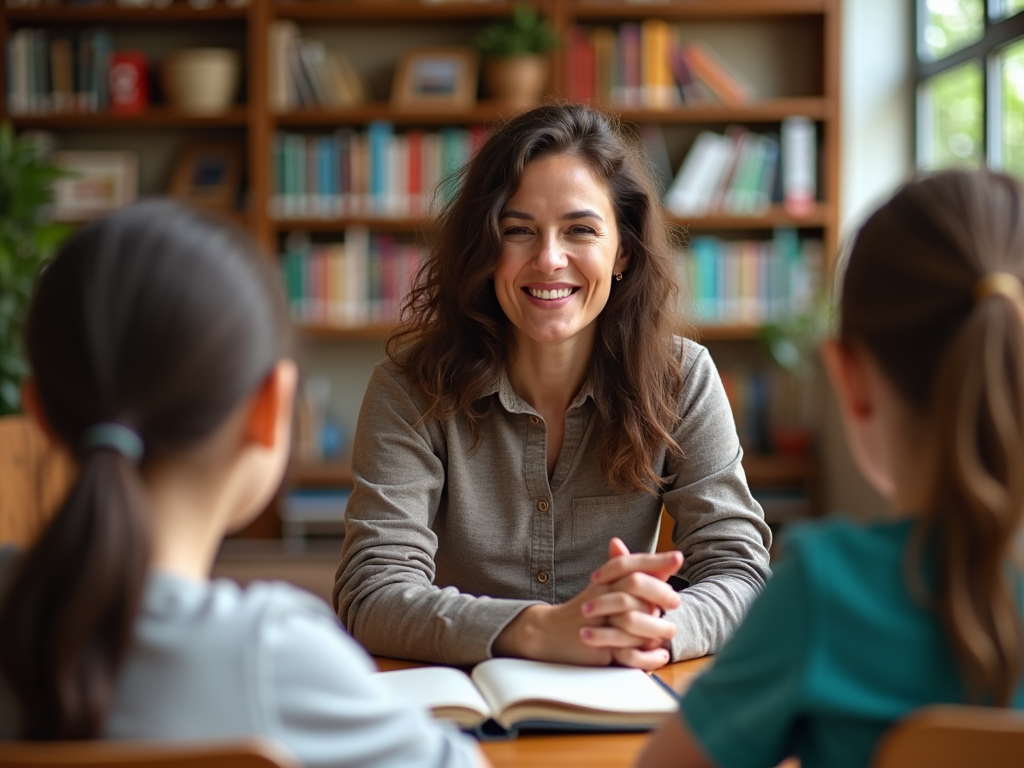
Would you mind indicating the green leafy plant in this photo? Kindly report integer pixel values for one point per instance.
(525, 33)
(793, 342)
(26, 242)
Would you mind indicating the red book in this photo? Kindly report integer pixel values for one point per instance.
(719, 80)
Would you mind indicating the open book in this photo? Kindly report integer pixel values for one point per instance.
(503, 695)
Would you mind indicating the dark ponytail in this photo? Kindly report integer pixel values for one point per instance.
(159, 318)
(919, 293)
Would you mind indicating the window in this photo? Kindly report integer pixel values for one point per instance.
(970, 84)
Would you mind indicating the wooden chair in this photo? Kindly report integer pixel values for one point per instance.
(251, 753)
(946, 736)
(34, 476)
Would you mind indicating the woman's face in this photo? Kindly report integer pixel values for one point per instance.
(560, 248)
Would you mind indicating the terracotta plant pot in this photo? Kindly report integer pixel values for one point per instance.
(201, 80)
(516, 80)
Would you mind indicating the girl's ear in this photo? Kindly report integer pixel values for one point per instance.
(847, 371)
(272, 405)
(33, 406)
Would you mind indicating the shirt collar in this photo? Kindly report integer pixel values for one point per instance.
(513, 403)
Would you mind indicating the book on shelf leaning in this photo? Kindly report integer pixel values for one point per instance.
(500, 697)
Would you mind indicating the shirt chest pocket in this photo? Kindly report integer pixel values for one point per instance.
(633, 517)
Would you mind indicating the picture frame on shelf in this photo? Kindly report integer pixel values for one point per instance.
(436, 79)
(208, 175)
(97, 183)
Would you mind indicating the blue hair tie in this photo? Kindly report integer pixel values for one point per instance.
(116, 437)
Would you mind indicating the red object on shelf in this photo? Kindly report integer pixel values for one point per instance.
(129, 87)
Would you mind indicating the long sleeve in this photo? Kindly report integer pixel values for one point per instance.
(385, 592)
(720, 527)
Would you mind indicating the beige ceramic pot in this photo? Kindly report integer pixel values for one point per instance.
(516, 80)
(201, 80)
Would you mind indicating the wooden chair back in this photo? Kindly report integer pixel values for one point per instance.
(34, 476)
(251, 753)
(946, 736)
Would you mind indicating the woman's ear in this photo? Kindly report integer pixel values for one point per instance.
(621, 261)
(847, 371)
(272, 405)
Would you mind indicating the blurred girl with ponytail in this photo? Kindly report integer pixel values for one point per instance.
(158, 344)
(863, 623)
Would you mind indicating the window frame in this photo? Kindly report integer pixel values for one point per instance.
(998, 33)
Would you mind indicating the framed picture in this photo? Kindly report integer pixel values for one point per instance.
(208, 175)
(97, 183)
(436, 78)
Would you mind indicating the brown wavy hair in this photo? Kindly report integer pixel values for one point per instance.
(161, 318)
(909, 296)
(454, 338)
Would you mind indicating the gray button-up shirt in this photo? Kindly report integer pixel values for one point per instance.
(446, 542)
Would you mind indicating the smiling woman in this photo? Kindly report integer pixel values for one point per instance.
(538, 409)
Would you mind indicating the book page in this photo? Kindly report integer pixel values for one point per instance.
(578, 694)
(447, 692)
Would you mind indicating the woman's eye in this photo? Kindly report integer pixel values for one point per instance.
(579, 229)
(516, 231)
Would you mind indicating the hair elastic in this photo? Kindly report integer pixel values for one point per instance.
(116, 437)
(1002, 283)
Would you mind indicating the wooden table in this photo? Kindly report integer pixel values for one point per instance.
(594, 750)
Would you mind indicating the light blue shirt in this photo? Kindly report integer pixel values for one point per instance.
(212, 661)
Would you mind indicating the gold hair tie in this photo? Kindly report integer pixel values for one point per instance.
(1002, 283)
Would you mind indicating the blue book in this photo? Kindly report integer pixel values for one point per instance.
(379, 134)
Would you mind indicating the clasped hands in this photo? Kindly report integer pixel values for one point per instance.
(617, 618)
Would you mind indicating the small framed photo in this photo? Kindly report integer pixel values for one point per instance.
(208, 175)
(97, 183)
(436, 78)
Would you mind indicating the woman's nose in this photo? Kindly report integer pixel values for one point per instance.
(551, 254)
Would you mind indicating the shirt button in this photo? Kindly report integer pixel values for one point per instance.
(542, 505)
(534, 420)
(542, 577)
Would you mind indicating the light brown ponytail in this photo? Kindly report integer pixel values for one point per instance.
(910, 294)
(159, 318)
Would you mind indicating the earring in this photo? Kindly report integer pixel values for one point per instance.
(618, 277)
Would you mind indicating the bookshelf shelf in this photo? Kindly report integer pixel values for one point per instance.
(483, 112)
(777, 216)
(376, 11)
(374, 332)
(153, 117)
(117, 15)
(696, 9)
(324, 474)
(764, 111)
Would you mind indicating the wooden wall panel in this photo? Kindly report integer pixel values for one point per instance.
(34, 475)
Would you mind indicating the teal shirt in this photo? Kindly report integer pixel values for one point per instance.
(832, 653)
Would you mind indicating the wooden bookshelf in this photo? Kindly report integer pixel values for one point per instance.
(254, 123)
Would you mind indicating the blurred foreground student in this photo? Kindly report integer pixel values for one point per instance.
(158, 345)
(863, 623)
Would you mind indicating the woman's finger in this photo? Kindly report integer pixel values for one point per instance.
(643, 625)
(661, 565)
(649, 589)
(615, 602)
(641, 659)
(610, 637)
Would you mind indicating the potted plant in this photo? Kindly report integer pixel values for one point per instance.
(792, 344)
(26, 242)
(515, 61)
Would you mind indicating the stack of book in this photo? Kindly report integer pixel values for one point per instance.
(58, 73)
(646, 66)
(360, 281)
(371, 173)
(751, 281)
(742, 173)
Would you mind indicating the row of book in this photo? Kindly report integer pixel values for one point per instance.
(751, 281)
(375, 172)
(305, 73)
(770, 406)
(740, 172)
(66, 72)
(360, 281)
(645, 65)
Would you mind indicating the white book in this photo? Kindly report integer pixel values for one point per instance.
(357, 254)
(518, 693)
(700, 174)
(799, 165)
